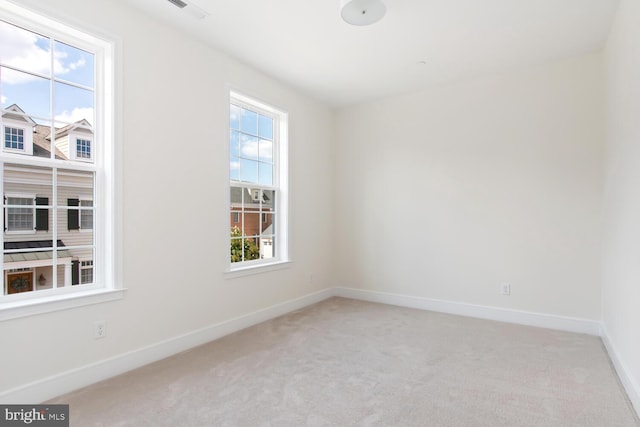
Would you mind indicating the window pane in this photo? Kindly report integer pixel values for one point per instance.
(237, 253)
(84, 261)
(86, 215)
(234, 169)
(266, 174)
(248, 170)
(234, 143)
(24, 49)
(73, 64)
(17, 280)
(268, 200)
(267, 225)
(265, 151)
(72, 104)
(251, 223)
(266, 247)
(42, 140)
(29, 93)
(265, 127)
(74, 186)
(28, 193)
(249, 121)
(248, 147)
(234, 117)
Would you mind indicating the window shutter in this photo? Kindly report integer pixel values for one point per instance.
(75, 272)
(42, 215)
(73, 215)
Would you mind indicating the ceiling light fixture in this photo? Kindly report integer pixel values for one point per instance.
(362, 12)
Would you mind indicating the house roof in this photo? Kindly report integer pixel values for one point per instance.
(32, 244)
(42, 143)
(236, 198)
(42, 133)
(34, 255)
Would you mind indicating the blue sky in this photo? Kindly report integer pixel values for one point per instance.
(33, 53)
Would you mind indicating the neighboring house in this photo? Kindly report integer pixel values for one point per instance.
(256, 221)
(28, 206)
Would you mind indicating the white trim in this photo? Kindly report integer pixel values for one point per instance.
(106, 153)
(56, 385)
(248, 270)
(280, 182)
(65, 382)
(541, 320)
(631, 386)
(25, 308)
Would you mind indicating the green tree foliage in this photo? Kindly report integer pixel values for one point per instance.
(251, 250)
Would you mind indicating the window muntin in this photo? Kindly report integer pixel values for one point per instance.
(65, 90)
(256, 141)
(14, 138)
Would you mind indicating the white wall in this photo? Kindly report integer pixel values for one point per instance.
(174, 256)
(448, 192)
(621, 267)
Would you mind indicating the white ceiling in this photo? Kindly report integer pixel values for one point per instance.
(419, 43)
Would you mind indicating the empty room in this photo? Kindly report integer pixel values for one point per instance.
(320, 212)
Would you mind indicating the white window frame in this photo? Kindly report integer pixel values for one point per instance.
(280, 185)
(107, 272)
(32, 197)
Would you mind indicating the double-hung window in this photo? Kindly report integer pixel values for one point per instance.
(56, 163)
(258, 183)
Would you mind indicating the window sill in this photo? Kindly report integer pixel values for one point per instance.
(256, 269)
(24, 308)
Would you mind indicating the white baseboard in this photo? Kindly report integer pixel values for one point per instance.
(542, 320)
(629, 383)
(65, 382)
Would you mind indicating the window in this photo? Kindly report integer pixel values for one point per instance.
(86, 215)
(13, 138)
(59, 108)
(86, 272)
(83, 149)
(20, 218)
(258, 183)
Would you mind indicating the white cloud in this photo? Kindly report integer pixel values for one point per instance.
(251, 149)
(20, 49)
(76, 115)
(234, 165)
(78, 64)
(3, 100)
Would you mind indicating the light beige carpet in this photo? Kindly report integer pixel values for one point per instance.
(343, 362)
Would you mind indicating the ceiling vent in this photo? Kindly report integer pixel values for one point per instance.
(178, 3)
(190, 9)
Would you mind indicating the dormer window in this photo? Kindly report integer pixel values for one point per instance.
(83, 149)
(14, 138)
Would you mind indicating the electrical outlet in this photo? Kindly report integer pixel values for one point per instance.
(505, 289)
(100, 329)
